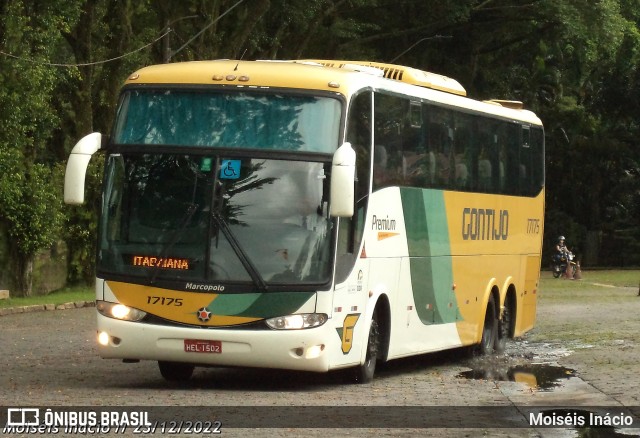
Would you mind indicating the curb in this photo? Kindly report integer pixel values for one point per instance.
(45, 307)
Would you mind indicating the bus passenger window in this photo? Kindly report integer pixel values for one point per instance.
(463, 152)
(380, 162)
(484, 170)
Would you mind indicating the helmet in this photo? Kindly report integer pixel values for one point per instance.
(560, 238)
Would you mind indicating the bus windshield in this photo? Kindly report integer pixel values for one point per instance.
(212, 218)
(228, 119)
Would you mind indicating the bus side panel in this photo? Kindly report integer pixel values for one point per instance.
(349, 318)
(529, 295)
(475, 277)
(496, 241)
(423, 331)
(425, 310)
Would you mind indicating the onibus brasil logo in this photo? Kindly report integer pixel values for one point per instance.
(48, 421)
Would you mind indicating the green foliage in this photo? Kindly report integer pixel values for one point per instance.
(35, 215)
(574, 62)
(31, 206)
(66, 295)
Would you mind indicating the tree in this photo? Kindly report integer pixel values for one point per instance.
(574, 62)
(31, 211)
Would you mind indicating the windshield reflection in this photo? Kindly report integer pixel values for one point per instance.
(230, 119)
(212, 218)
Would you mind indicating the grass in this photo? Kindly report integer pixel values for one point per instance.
(595, 286)
(619, 278)
(66, 295)
(591, 280)
(583, 311)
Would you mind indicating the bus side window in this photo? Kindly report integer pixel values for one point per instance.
(388, 138)
(350, 230)
(464, 151)
(537, 160)
(514, 171)
(484, 169)
(426, 162)
(526, 178)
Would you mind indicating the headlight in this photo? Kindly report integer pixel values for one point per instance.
(296, 322)
(119, 311)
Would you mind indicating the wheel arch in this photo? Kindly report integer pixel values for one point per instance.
(380, 307)
(491, 291)
(383, 313)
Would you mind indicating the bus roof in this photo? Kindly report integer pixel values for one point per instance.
(255, 74)
(401, 73)
(343, 77)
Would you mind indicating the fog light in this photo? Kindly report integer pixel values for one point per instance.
(315, 351)
(103, 338)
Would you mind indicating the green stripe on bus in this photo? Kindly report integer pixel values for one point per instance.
(429, 251)
(259, 305)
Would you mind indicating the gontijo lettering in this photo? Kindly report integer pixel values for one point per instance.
(485, 224)
(160, 262)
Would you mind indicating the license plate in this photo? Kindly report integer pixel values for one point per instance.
(202, 346)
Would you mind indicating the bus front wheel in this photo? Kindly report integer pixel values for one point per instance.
(364, 372)
(175, 371)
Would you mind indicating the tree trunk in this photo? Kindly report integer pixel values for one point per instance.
(23, 274)
(592, 248)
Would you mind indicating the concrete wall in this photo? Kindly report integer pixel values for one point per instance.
(49, 270)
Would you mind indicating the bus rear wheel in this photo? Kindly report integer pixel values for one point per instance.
(504, 326)
(489, 329)
(175, 371)
(364, 372)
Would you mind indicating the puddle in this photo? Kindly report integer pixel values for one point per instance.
(542, 377)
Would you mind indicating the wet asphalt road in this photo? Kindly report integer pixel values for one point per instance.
(49, 359)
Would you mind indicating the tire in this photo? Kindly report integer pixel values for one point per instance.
(489, 329)
(364, 372)
(504, 327)
(175, 371)
(556, 273)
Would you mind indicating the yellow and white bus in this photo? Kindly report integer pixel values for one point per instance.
(311, 215)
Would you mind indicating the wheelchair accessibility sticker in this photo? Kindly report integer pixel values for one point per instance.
(230, 169)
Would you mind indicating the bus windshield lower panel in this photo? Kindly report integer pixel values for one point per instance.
(210, 218)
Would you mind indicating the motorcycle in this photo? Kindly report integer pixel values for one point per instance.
(563, 264)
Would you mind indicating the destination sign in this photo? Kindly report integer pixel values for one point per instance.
(160, 262)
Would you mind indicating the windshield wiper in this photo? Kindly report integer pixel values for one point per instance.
(258, 281)
(191, 209)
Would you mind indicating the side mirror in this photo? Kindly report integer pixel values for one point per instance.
(77, 165)
(343, 177)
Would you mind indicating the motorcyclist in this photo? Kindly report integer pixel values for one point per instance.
(561, 247)
(563, 260)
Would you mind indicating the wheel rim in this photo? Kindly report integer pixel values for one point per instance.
(372, 345)
(489, 329)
